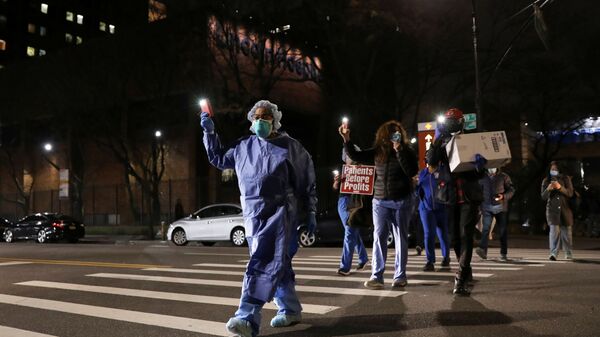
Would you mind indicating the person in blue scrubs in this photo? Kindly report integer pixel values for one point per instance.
(434, 217)
(352, 240)
(276, 179)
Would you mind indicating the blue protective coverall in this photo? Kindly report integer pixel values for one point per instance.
(434, 215)
(276, 179)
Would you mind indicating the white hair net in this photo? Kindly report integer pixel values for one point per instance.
(272, 108)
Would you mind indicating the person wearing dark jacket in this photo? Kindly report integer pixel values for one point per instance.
(434, 217)
(395, 165)
(465, 213)
(556, 191)
(497, 192)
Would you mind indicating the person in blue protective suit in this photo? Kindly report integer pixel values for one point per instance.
(276, 179)
(464, 214)
(348, 203)
(395, 165)
(434, 217)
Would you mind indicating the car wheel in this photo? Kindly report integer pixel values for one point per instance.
(306, 239)
(41, 236)
(390, 240)
(208, 243)
(9, 236)
(179, 237)
(238, 236)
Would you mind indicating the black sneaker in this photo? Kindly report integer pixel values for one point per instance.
(429, 267)
(481, 253)
(343, 272)
(552, 258)
(419, 250)
(460, 288)
(446, 262)
(361, 266)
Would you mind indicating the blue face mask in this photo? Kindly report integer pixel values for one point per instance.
(262, 127)
(553, 173)
(396, 137)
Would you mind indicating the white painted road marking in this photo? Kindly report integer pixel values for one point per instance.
(298, 276)
(165, 321)
(309, 308)
(411, 262)
(330, 270)
(13, 263)
(12, 332)
(238, 284)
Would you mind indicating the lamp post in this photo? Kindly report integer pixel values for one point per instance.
(476, 61)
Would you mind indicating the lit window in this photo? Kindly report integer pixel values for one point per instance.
(80, 19)
(42, 31)
(69, 16)
(68, 38)
(2, 45)
(78, 40)
(111, 29)
(44, 8)
(30, 51)
(42, 52)
(31, 28)
(103, 26)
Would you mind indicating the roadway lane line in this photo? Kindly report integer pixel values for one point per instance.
(138, 317)
(389, 264)
(333, 270)
(13, 263)
(83, 263)
(12, 332)
(160, 295)
(412, 261)
(238, 284)
(217, 254)
(298, 276)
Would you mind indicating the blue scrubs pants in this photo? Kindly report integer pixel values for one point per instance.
(352, 239)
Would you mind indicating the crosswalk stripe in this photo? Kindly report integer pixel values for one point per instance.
(13, 332)
(165, 321)
(423, 260)
(238, 284)
(308, 308)
(13, 263)
(298, 276)
(391, 264)
(217, 254)
(329, 270)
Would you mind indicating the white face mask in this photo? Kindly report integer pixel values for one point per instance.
(492, 170)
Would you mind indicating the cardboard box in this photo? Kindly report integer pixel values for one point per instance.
(462, 149)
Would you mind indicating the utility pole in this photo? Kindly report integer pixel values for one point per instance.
(476, 61)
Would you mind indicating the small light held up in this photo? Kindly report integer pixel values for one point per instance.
(48, 147)
(335, 172)
(441, 119)
(413, 140)
(157, 133)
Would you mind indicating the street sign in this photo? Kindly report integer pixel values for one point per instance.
(425, 139)
(470, 121)
(358, 179)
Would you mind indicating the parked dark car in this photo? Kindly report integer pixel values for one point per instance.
(45, 227)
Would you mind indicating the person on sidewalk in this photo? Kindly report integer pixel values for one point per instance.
(275, 175)
(468, 196)
(395, 165)
(434, 217)
(556, 191)
(349, 204)
(497, 192)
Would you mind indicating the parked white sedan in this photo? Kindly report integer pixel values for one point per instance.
(219, 222)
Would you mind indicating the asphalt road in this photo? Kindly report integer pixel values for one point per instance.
(156, 289)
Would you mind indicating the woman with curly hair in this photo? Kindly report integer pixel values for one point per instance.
(395, 165)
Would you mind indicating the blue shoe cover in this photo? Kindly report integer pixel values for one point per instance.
(239, 327)
(281, 320)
